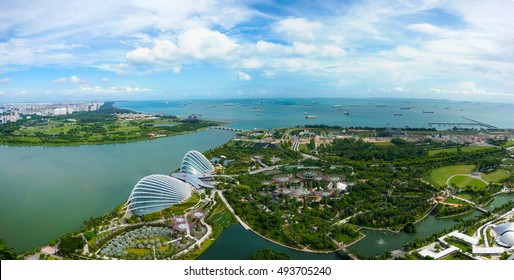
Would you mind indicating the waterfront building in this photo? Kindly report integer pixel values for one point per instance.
(195, 163)
(156, 192)
(505, 234)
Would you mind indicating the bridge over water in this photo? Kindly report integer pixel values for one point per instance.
(228, 128)
(461, 124)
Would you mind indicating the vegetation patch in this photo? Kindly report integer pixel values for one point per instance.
(467, 149)
(456, 256)
(467, 181)
(496, 176)
(267, 254)
(439, 176)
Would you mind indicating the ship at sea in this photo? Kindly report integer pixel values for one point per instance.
(428, 112)
(398, 114)
(310, 117)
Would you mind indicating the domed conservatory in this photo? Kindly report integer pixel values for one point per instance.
(157, 192)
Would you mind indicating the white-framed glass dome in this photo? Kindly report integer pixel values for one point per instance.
(195, 163)
(156, 192)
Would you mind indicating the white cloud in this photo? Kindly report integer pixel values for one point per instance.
(77, 80)
(298, 28)
(62, 80)
(426, 28)
(202, 43)
(467, 85)
(193, 44)
(118, 68)
(5, 80)
(87, 89)
(2, 93)
(72, 79)
(105, 80)
(242, 76)
(177, 69)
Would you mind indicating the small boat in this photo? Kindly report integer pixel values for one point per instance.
(310, 117)
(428, 112)
(398, 114)
(346, 113)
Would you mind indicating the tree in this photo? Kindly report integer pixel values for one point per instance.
(410, 228)
(69, 244)
(312, 144)
(267, 254)
(6, 253)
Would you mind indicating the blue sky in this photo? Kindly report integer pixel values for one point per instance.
(139, 50)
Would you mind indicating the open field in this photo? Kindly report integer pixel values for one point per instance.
(383, 144)
(467, 149)
(439, 176)
(464, 181)
(453, 200)
(496, 176)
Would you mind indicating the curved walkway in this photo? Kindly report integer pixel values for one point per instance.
(467, 175)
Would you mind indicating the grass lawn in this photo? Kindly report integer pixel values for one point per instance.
(383, 144)
(459, 244)
(509, 143)
(180, 209)
(439, 176)
(456, 256)
(467, 149)
(138, 251)
(303, 148)
(454, 200)
(496, 176)
(463, 181)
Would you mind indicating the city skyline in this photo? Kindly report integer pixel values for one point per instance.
(99, 50)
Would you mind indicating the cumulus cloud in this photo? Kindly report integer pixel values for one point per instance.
(5, 80)
(141, 56)
(242, 76)
(202, 43)
(105, 80)
(72, 79)
(196, 44)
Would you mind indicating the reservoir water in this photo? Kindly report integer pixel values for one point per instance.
(236, 243)
(48, 191)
